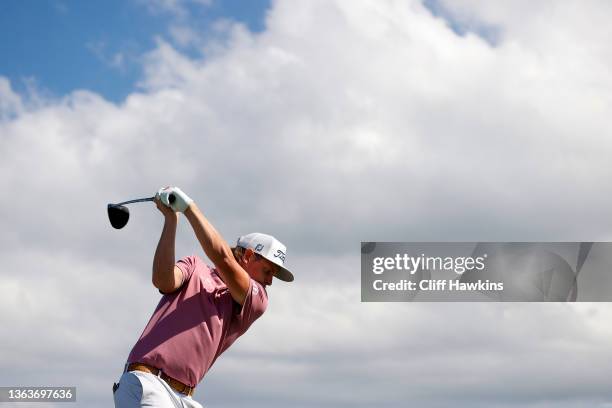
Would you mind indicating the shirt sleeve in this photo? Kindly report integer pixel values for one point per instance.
(187, 266)
(254, 306)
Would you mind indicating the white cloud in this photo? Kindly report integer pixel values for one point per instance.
(184, 36)
(341, 122)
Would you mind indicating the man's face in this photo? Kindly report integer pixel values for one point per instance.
(260, 268)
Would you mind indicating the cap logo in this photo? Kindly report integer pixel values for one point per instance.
(259, 247)
(280, 254)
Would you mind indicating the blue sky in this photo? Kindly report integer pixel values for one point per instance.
(59, 46)
(462, 24)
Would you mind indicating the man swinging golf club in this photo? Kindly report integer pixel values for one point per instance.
(203, 310)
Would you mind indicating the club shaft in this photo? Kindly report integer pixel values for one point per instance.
(138, 200)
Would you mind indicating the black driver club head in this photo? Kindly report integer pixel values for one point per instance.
(118, 215)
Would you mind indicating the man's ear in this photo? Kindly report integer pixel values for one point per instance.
(247, 256)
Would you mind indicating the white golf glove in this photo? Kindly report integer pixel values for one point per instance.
(181, 200)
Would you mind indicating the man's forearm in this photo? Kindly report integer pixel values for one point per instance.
(212, 243)
(217, 250)
(163, 262)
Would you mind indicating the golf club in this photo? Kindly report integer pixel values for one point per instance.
(118, 214)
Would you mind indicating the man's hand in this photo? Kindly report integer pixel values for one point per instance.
(179, 203)
(166, 211)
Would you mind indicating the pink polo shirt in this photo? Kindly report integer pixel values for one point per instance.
(192, 326)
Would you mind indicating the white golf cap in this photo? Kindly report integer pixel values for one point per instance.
(270, 248)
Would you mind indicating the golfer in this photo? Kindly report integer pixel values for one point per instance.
(203, 309)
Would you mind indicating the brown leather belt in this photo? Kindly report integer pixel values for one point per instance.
(175, 384)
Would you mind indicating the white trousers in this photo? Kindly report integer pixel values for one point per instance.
(138, 389)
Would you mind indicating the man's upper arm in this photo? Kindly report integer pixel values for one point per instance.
(236, 279)
(255, 303)
(176, 283)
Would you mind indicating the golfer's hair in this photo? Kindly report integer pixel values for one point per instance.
(238, 252)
